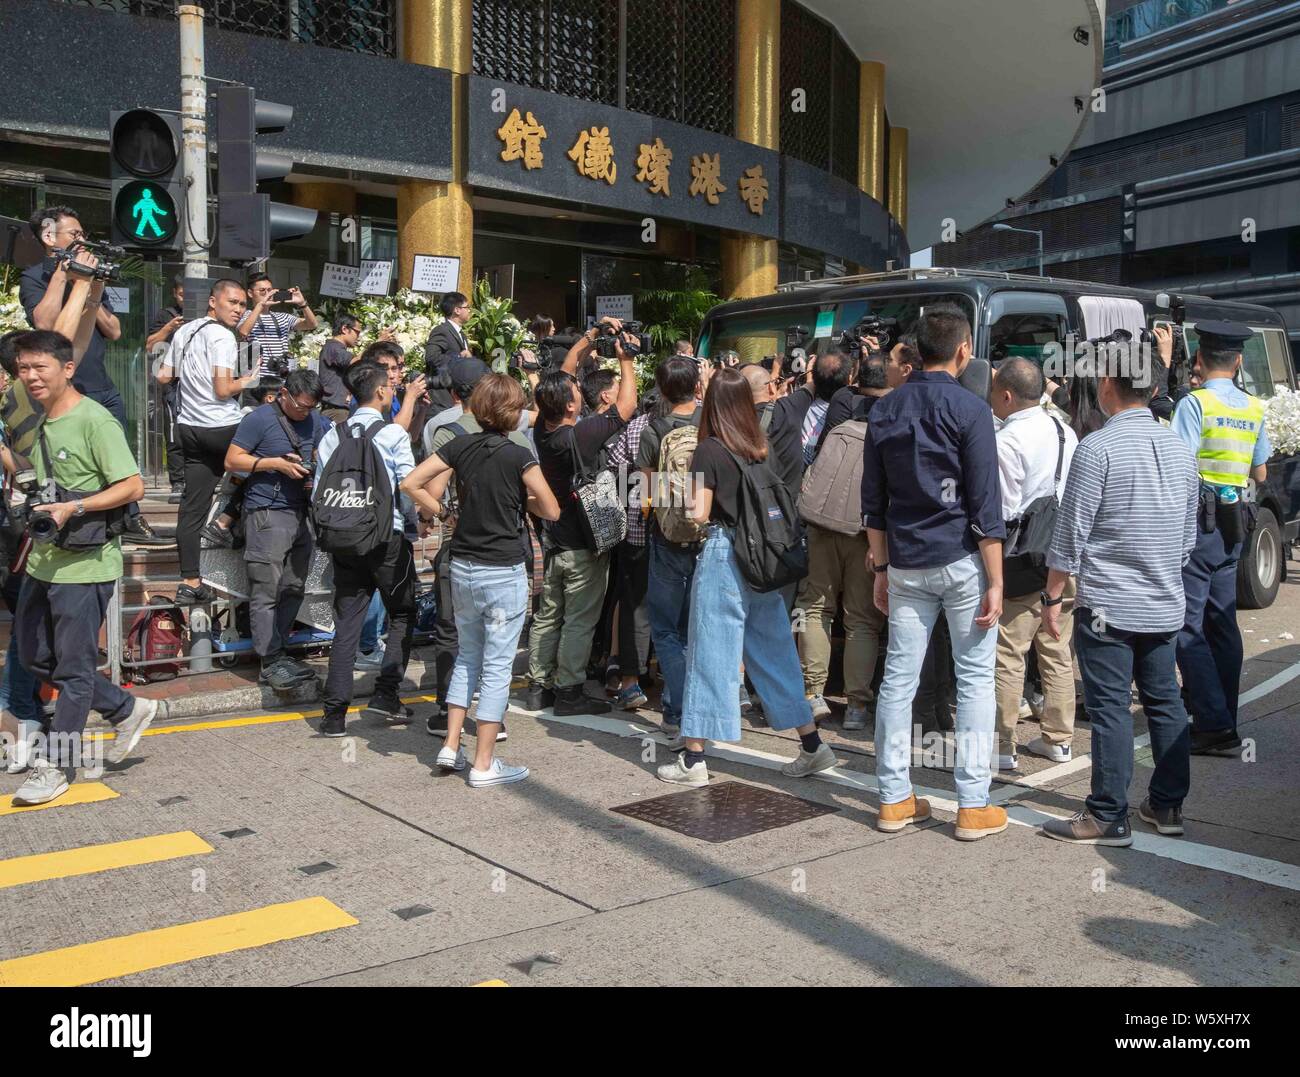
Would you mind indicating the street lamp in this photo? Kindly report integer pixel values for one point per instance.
(1000, 227)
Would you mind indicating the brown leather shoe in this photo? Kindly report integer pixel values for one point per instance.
(976, 823)
(896, 816)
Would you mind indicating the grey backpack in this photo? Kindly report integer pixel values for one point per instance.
(831, 495)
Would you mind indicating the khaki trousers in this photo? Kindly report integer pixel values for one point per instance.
(838, 577)
(1019, 629)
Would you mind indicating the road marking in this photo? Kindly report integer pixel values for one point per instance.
(491, 983)
(78, 793)
(1257, 868)
(1265, 687)
(90, 859)
(248, 720)
(107, 959)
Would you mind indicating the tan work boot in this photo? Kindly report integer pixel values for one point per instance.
(976, 823)
(894, 817)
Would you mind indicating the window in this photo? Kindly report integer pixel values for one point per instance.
(905, 309)
(1255, 376)
(758, 334)
(1023, 324)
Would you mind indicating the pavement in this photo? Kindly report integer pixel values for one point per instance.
(244, 848)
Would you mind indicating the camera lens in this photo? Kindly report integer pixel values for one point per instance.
(42, 527)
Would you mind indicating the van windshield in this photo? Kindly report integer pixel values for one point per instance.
(758, 334)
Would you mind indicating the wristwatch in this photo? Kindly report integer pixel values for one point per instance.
(880, 568)
(1043, 598)
(80, 510)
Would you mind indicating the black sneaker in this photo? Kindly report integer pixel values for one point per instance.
(140, 533)
(539, 697)
(176, 496)
(573, 700)
(436, 724)
(1084, 828)
(333, 726)
(390, 708)
(215, 537)
(194, 596)
(284, 673)
(1165, 820)
(1223, 742)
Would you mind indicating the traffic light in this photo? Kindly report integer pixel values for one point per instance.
(249, 223)
(148, 180)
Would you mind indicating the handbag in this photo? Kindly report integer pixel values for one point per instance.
(1024, 556)
(603, 514)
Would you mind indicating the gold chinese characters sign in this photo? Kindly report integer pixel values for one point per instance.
(594, 155)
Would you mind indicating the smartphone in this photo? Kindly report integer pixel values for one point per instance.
(282, 295)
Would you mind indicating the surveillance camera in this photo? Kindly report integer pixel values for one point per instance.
(1081, 35)
(1054, 160)
(1011, 203)
(1078, 104)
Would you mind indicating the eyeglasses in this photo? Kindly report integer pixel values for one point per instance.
(286, 398)
(75, 233)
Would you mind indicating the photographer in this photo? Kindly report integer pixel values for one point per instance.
(269, 331)
(275, 446)
(74, 560)
(203, 360)
(161, 331)
(45, 292)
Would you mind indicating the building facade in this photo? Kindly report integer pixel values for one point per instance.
(1185, 176)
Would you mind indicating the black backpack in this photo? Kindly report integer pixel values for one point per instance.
(770, 545)
(352, 507)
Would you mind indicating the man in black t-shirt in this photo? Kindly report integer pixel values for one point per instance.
(574, 576)
(335, 358)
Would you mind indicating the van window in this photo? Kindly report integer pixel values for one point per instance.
(1255, 377)
(1279, 357)
(1023, 324)
(906, 309)
(759, 333)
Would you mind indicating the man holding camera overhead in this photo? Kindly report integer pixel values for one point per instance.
(84, 477)
(275, 446)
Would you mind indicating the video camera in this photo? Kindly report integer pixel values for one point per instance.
(606, 335)
(542, 352)
(794, 362)
(883, 329)
(1179, 365)
(110, 259)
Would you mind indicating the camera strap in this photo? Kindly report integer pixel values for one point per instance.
(294, 440)
(180, 363)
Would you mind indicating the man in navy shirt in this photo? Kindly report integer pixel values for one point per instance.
(275, 445)
(930, 459)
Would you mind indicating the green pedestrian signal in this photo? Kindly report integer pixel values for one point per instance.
(146, 212)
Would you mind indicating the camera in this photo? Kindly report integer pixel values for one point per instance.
(607, 335)
(883, 329)
(532, 354)
(28, 512)
(110, 259)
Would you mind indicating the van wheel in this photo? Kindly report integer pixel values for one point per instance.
(1259, 572)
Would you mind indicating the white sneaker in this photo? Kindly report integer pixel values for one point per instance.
(498, 773)
(820, 708)
(373, 660)
(679, 773)
(1025, 710)
(43, 784)
(15, 757)
(129, 730)
(855, 718)
(1008, 763)
(452, 760)
(1058, 753)
(809, 763)
(1036, 704)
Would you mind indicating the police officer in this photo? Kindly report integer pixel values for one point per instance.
(1224, 427)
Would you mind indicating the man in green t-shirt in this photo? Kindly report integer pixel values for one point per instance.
(61, 608)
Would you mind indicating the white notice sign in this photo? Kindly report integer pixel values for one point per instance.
(614, 306)
(120, 297)
(435, 273)
(375, 277)
(339, 281)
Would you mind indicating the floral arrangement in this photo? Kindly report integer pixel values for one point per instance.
(410, 315)
(1282, 420)
(12, 315)
(493, 331)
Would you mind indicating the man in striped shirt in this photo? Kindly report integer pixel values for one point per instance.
(270, 330)
(1125, 528)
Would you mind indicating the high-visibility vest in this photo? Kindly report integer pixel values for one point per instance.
(1228, 436)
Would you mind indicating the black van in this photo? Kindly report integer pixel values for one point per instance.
(1020, 315)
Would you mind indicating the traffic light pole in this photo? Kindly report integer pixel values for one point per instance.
(194, 109)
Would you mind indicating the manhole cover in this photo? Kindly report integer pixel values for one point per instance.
(724, 811)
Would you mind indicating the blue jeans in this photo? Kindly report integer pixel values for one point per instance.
(490, 602)
(18, 686)
(917, 596)
(1209, 645)
(730, 621)
(668, 604)
(1110, 660)
(372, 626)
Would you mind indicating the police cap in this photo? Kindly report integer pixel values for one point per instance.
(1226, 335)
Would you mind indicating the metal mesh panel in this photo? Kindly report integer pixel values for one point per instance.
(805, 45)
(582, 49)
(681, 61)
(1167, 156)
(1069, 228)
(368, 26)
(845, 72)
(507, 40)
(1290, 126)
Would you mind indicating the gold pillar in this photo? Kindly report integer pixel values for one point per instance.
(871, 130)
(749, 262)
(337, 198)
(898, 175)
(432, 217)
